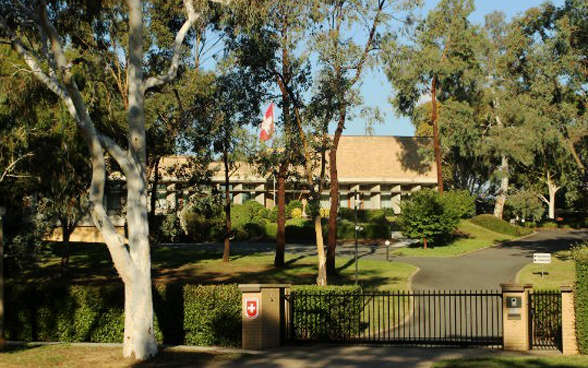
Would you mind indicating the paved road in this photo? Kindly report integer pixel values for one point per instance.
(488, 268)
(483, 269)
(357, 356)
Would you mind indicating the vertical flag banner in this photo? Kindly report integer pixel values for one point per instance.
(267, 126)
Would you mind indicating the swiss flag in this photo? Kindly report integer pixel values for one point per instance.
(251, 308)
(267, 126)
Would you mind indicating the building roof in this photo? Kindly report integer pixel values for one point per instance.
(369, 159)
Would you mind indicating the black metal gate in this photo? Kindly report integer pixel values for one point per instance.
(424, 318)
(545, 319)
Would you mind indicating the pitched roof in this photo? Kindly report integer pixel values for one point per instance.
(376, 159)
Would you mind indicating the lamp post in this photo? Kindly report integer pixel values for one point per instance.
(356, 202)
(2, 213)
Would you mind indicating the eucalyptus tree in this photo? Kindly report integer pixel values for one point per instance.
(342, 58)
(438, 59)
(39, 32)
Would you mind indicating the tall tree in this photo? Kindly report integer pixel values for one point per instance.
(438, 60)
(343, 59)
(33, 31)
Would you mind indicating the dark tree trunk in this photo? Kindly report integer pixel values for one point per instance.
(436, 143)
(334, 192)
(153, 200)
(64, 270)
(281, 236)
(227, 250)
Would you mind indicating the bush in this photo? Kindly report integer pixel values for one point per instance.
(324, 312)
(580, 255)
(495, 224)
(460, 202)
(248, 220)
(296, 213)
(183, 314)
(525, 205)
(294, 204)
(425, 216)
(203, 218)
(168, 228)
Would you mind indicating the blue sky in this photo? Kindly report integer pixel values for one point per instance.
(376, 89)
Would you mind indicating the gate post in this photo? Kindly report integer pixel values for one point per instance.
(568, 322)
(262, 315)
(515, 316)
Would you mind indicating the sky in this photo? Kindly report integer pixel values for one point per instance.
(376, 89)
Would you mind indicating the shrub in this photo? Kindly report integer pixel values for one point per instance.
(296, 213)
(495, 224)
(183, 314)
(324, 312)
(425, 216)
(203, 218)
(526, 205)
(293, 205)
(580, 255)
(168, 228)
(460, 202)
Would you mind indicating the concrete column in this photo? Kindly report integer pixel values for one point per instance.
(376, 198)
(263, 315)
(260, 194)
(395, 203)
(171, 198)
(568, 322)
(237, 196)
(515, 316)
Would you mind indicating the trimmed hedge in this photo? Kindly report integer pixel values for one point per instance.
(580, 255)
(184, 314)
(495, 224)
(324, 312)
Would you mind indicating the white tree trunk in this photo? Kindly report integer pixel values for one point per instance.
(320, 246)
(501, 196)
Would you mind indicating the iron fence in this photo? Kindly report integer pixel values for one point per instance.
(545, 319)
(423, 318)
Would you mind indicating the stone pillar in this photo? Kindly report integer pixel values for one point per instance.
(568, 322)
(237, 195)
(263, 315)
(515, 316)
(260, 194)
(376, 198)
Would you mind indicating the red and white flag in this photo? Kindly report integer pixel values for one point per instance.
(267, 126)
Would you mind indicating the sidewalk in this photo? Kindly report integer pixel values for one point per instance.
(361, 356)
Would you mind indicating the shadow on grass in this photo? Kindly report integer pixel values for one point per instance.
(506, 363)
(180, 359)
(13, 348)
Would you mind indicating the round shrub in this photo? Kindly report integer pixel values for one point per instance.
(293, 205)
(297, 213)
(425, 216)
(203, 218)
(526, 205)
(460, 202)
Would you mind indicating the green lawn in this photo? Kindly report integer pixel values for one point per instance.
(470, 237)
(71, 356)
(534, 362)
(91, 264)
(559, 272)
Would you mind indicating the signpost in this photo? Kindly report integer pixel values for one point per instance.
(542, 258)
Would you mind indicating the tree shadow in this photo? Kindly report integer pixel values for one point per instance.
(412, 156)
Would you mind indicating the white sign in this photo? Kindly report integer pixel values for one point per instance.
(251, 307)
(543, 258)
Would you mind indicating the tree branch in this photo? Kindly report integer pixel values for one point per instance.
(12, 166)
(179, 40)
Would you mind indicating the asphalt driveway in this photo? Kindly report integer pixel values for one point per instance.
(488, 268)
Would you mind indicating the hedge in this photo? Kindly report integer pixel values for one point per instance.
(495, 224)
(324, 312)
(580, 255)
(184, 314)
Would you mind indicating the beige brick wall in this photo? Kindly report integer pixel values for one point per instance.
(568, 322)
(515, 325)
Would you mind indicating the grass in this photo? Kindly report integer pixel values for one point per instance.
(94, 356)
(470, 237)
(91, 264)
(535, 362)
(559, 272)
